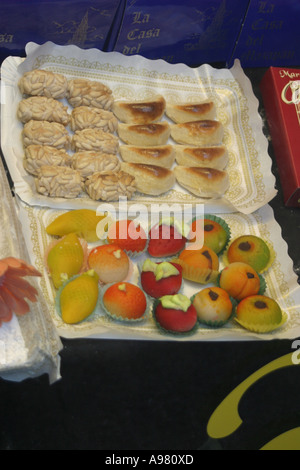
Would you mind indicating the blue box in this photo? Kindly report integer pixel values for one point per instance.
(192, 32)
(84, 23)
(270, 34)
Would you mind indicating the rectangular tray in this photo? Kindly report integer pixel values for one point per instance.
(252, 184)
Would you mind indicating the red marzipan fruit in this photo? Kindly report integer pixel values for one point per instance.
(165, 240)
(166, 286)
(177, 321)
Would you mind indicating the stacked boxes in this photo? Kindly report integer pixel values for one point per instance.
(261, 33)
(192, 32)
(83, 23)
(269, 36)
(280, 89)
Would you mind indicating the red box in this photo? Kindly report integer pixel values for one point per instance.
(280, 88)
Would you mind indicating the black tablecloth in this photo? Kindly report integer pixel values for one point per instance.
(137, 396)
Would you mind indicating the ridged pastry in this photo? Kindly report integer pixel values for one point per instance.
(140, 112)
(202, 182)
(41, 155)
(144, 134)
(150, 179)
(41, 108)
(57, 181)
(86, 117)
(95, 139)
(212, 157)
(200, 133)
(43, 83)
(110, 186)
(45, 133)
(163, 155)
(186, 112)
(90, 162)
(84, 92)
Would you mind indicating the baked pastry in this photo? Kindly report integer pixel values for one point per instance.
(144, 134)
(159, 279)
(41, 108)
(95, 139)
(140, 112)
(53, 134)
(213, 306)
(166, 238)
(36, 156)
(250, 249)
(78, 298)
(110, 262)
(199, 265)
(175, 313)
(210, 230)
(259, 313)
(86, 117)
(205, 157)
(150, 179)
(200, 133)
(127, 234)
(84, 92)
(163, 155)
(110, 186)
(240, 280)
(43, 83)
(90, 162)
(125, 301)
(202, 182)
(186, 112)
(58, 181)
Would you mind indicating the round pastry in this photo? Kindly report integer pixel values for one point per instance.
(110, 262)
(240, 280)
(128, 235)
(175, 313)
(213, 229)
(213, 305)
(249, 249)
(166, 239)
(200, 265)
(159, 279)
(125, 301)
(259, 313)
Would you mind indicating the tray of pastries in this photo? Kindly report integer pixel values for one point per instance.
(81, 127)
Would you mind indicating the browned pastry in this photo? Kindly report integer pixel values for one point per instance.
(84, 92)
(150, 179)
(45, 133)
(211, 157)
(43, 83)
(41, 108)
(202, 182)
(186, 112)
(144, 134)
(200, 133)
(140, 112)
(163, 155)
